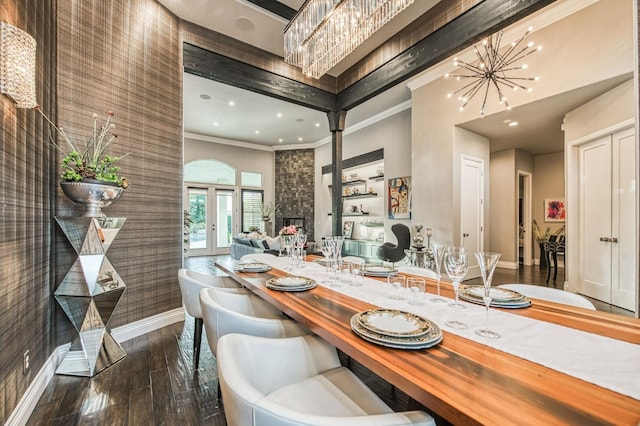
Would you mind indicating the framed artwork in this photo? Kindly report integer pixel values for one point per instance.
(399, 205)
(554, 210)
(347, 229)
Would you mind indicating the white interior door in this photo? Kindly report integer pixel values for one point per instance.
(471, 214)
(594, 259)
(525, 195)
(623, 227)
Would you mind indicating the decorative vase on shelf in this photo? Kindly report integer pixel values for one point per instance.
(418, 238)
(92, 195)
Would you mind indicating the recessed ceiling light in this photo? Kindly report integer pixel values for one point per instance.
(300, 120)
(215, 124)
(205, 97)
(507, 121)
(299, 139)
(257, 132)
(280, 140)
(513, 124)
(317, 124)
(279, 115)
(231, 103)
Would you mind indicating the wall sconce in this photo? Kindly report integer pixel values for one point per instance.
(17, 65)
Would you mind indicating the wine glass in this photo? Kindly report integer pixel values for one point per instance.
(300, 241)
(487, 262)
(438, 254)
(287, 242)
(456, 264)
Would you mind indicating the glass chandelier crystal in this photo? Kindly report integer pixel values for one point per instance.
(323, 32)
(494, 69)
(17, 65)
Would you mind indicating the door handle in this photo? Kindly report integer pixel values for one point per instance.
(605, 239)
(465, 235)
(613, 239)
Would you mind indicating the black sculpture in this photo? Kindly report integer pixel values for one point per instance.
(395, 252)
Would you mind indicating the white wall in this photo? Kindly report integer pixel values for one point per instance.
(240, 158)
(592, 45)
(394, 135)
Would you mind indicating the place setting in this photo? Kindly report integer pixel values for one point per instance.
(379, 271)
(396, 329)
(291, 283)
(252, 266)
(500, 297)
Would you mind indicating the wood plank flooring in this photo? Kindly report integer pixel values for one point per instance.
(155, 384)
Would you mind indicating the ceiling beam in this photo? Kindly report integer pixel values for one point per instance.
(207, 64)
(276, 8)
(480, 21)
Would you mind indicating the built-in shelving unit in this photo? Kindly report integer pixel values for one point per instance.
(377, 178)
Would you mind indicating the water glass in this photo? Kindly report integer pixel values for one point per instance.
(398, 285)
(416, 291)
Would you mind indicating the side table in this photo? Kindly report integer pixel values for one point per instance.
(89, 293)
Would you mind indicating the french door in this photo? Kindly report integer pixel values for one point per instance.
(212, 212)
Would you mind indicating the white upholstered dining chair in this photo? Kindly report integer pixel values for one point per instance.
(551, 294)
(191, 282)
(297, 381)
(240, 311)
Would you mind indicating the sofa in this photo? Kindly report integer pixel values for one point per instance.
(244, 244)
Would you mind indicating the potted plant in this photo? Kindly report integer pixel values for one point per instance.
(266, 210)
(89, 175)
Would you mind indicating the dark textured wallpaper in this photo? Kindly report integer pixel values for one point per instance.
(26, 208)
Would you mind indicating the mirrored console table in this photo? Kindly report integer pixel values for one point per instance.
(89, 294)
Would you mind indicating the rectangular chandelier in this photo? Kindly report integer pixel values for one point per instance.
(323, 32)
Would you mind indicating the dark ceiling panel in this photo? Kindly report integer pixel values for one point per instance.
(275, 7)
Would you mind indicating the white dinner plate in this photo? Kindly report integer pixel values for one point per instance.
(378, 271)
(427, 340)
(517, 300)
(291, 283)
(497, 294)
(252, 267)
(395, 323)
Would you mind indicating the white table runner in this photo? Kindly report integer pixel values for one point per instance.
(607, 362)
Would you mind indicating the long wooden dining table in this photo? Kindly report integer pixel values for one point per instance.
(460, 380)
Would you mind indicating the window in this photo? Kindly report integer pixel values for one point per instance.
(251, 214)
(251, 179)
(209, 171)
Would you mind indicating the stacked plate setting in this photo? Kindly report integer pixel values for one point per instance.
(291, 283)
(500, 297)
(252, 267)
(396, 329)
(379, 271)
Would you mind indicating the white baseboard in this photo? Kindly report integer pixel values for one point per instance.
(507, 265)
(20, 416)
(147, 325)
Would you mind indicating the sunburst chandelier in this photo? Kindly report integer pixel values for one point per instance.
(493, 70)
(323, 32)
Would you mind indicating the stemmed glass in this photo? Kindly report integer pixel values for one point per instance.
(438, 252)
(487, 262)
(288, 242)
(300, 241)
(456, 264)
